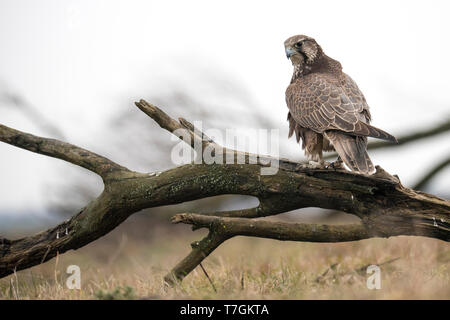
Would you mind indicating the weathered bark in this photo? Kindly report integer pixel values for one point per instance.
(222, 229)
(385, 207)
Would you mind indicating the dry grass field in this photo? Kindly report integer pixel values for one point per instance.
(130, 263)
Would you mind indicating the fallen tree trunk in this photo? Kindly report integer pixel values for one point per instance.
(386, 208)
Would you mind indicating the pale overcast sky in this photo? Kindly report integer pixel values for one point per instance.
(75, 60)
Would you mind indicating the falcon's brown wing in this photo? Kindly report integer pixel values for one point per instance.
(320, 102)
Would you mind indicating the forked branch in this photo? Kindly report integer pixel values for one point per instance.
(385, 207)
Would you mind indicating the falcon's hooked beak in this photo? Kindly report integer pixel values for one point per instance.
(290, 52)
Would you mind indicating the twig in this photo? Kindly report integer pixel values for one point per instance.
(206, 274)
(363, 269)
(431, 174)
(322, 276)
(413, 137)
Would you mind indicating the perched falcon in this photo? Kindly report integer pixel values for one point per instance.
(326, 108)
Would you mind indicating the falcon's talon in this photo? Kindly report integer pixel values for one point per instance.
(336, 165)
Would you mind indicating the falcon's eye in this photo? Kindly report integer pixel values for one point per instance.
(298, 44)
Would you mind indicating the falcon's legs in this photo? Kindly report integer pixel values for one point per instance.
(317, 161)
(337, 165)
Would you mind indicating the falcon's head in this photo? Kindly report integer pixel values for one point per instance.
(302, 50)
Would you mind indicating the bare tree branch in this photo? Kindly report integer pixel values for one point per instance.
(61, 150)
(222, 229)
(285, 231)
(200, 250)
(431, 174)
(385, 207)
(412, 137)
(31, 112)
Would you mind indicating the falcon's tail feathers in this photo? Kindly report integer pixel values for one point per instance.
(352, 150)
(365, 129)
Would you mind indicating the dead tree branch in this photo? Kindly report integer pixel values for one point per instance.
(222, 229)
(385, 207)
(60, 150)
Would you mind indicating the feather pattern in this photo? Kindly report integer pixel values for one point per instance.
(326, 108)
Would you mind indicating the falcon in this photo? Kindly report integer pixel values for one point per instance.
(327, 111)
